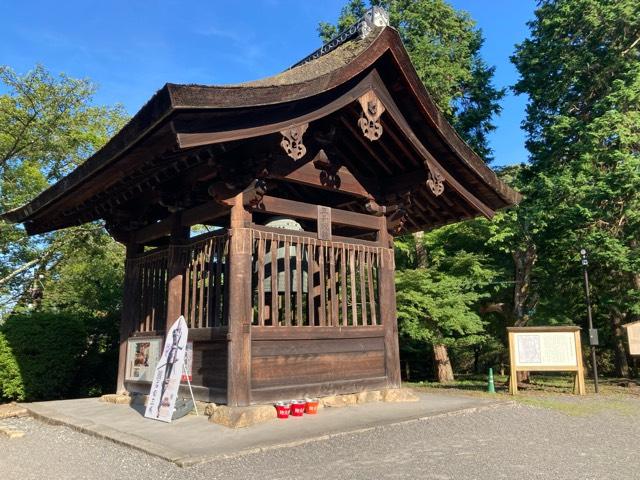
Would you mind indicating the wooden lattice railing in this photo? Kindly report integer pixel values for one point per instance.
(298, 280)
(314, 283)
(203, 294)
(147, 276)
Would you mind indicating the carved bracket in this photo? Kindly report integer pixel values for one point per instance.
(372, 109)
(435, 181)
(399, 213)
(292, 141)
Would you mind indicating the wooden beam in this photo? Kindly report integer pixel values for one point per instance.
(387, 299)
(311, 174)
(239, 309)
(202, 213)
(175, 271)
(282, 206)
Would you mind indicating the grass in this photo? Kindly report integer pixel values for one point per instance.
(550, 391)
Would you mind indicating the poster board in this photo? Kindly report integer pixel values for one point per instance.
(555, 349)
(143, 354)
(168, 373)
(633, 337)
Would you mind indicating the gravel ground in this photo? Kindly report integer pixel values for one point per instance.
(508, 441)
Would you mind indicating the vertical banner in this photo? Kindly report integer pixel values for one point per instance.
(166, 380)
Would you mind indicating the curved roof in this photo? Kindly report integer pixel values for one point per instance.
(284, 97)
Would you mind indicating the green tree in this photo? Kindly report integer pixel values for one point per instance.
(444, 46)
(48, 126)
(581, 70)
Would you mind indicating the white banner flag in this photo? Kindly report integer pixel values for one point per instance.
(166, 380)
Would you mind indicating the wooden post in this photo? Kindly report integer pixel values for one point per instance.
(387, 301)
(175, 272)
(513, 373)
(129, 299)
(579, 384)
(239, 308)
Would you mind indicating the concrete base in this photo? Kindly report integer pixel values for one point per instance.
(193, 440)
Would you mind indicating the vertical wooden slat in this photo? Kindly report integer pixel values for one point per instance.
(203, 277)
(352, 276)
(274, 282)
(323, 288)
(332, 284)
(363, 290)
(372, 301)
(194, 286)
(310, 273)
(343, 285)
(220, 243)
(299, 275)
(287, 283)
(261, 254)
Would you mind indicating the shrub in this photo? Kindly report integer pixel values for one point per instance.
(39, 355)
(11, 386)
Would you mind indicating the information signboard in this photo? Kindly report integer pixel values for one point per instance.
(633, 337)
(545, 349)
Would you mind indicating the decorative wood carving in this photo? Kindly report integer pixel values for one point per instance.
(399, 213)
(372, 109)
(435, 181)
(292, 141)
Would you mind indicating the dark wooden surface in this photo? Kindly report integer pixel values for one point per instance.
(239, 306)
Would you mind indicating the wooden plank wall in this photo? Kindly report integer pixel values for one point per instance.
(291, 362)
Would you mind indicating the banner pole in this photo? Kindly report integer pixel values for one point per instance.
(186, 374)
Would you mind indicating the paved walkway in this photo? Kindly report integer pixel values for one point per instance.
(192, 440)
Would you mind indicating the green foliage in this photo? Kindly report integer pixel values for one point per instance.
(46, 349)
(444, 46)
(48, 126)
(57, 355)
(11, 385)
(581, 71)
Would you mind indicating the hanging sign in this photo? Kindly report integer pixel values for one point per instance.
(324, 223)
(166, 380)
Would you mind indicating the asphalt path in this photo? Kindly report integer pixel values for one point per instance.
(506, 441)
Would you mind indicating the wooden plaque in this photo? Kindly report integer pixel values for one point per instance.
(633, 337)
(324, 223)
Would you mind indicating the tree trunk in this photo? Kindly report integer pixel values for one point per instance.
(622, 364)
(444, 371)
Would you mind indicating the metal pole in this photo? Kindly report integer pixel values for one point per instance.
(585, 264)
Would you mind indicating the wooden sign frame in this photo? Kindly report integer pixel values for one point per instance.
(633, 337)
(577, 367)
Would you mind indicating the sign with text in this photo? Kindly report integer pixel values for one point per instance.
(324, 223)
(166, 380)
(633, 337)
(545, 349)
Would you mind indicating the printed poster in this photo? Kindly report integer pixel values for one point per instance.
(142, 358)
(188, 363)
(166, 380)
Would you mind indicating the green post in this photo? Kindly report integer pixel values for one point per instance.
(491, 388)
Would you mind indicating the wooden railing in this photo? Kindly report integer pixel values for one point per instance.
(298, 280)
(203, 295)
(147, 276)
(302, 281)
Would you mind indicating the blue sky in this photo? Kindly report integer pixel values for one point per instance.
(131, 48)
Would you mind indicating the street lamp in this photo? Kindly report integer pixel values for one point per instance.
(593, 333)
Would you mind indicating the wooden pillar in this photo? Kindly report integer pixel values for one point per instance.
(388, 312)
(239, 308)
(130, 293)
(175, 272)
